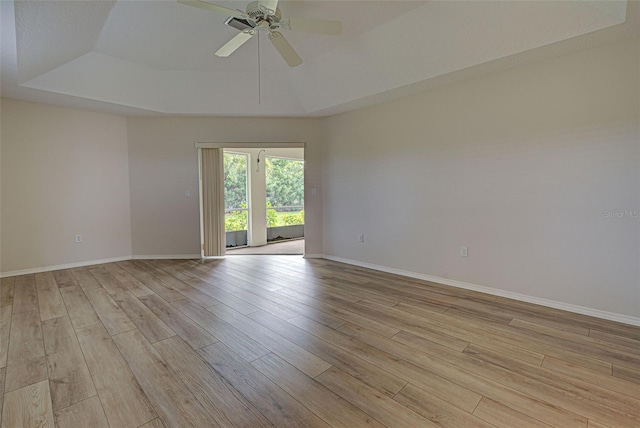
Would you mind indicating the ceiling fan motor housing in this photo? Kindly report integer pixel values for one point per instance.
(265, 16)
(258, 13)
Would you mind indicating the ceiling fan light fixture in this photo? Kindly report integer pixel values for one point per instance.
(265, 16)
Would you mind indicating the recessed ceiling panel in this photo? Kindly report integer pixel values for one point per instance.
(51, 33)
(158, 56)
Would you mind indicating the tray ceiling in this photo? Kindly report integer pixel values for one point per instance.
(156, 57)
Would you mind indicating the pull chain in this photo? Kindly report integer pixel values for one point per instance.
(259, 74)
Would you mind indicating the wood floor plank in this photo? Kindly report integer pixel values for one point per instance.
(154, 284)
(85, 280)
(87, 413)
(428, 380)
(405, 293)
(219, 295)
(616, 339)
(156, 423)
(64, 278)
(503, 416)
(29, 406)
(594, 424)
(248, 292)
(626, 373)
(107, 281)
(225, 404)
(68, 373)
(5, 328)
(493, 308)
(382, 408)
(80, 310)
(290, 352)
(238, 275)
(241, 344)
(187, 329)
(556, 323)
(395, 351)
(122, 398)
(276, 304)
(176, 405)
(149, 324)
(25, 295)
(420, 342)
(505, 336)
(436, 410)
(333, 409)
(439, 359)
(472, 316)
(602, 400)
(575, 371)
(183, 288)
(583, 404)
(339, 313)
(7, 288)
(272, 271)
(302, 308)
(611, 352)
(449, 341)
(572, 318)
(108, 311)
(26, 362)
(49, 298)
(278, 406)
(136, 287)
(355, 366)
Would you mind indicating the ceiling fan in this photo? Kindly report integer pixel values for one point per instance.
(265, 16)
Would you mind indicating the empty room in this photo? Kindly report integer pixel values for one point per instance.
(320, 213)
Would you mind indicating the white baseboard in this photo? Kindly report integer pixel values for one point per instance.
(96, 262)
(167, 257)
(451, 282)
(64, 266)
(611, 316)
(314, 256)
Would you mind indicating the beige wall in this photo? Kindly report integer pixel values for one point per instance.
(64, 172)
(521, 167)
(163, 164)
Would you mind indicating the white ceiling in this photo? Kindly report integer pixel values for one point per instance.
(156, 56)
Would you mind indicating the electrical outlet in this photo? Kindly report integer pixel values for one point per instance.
(186, 193)
(463, 251)
(314, 191)
(78, 239)
(361, 237)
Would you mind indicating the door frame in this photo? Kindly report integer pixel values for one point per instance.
(229, 145)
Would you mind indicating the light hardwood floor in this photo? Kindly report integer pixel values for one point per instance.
(264, 341)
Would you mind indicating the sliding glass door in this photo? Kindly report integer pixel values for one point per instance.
(285, 198)
(236, 201)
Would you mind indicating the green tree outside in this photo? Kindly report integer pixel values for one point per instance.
(235, 181)
(285, 182)
(285, 188)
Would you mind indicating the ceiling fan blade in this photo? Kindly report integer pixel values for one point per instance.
(233, 44)
(286, 50)
(214, 7)
(269, 4)
(317, 26)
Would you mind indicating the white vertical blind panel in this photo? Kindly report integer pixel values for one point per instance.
(213, 202)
